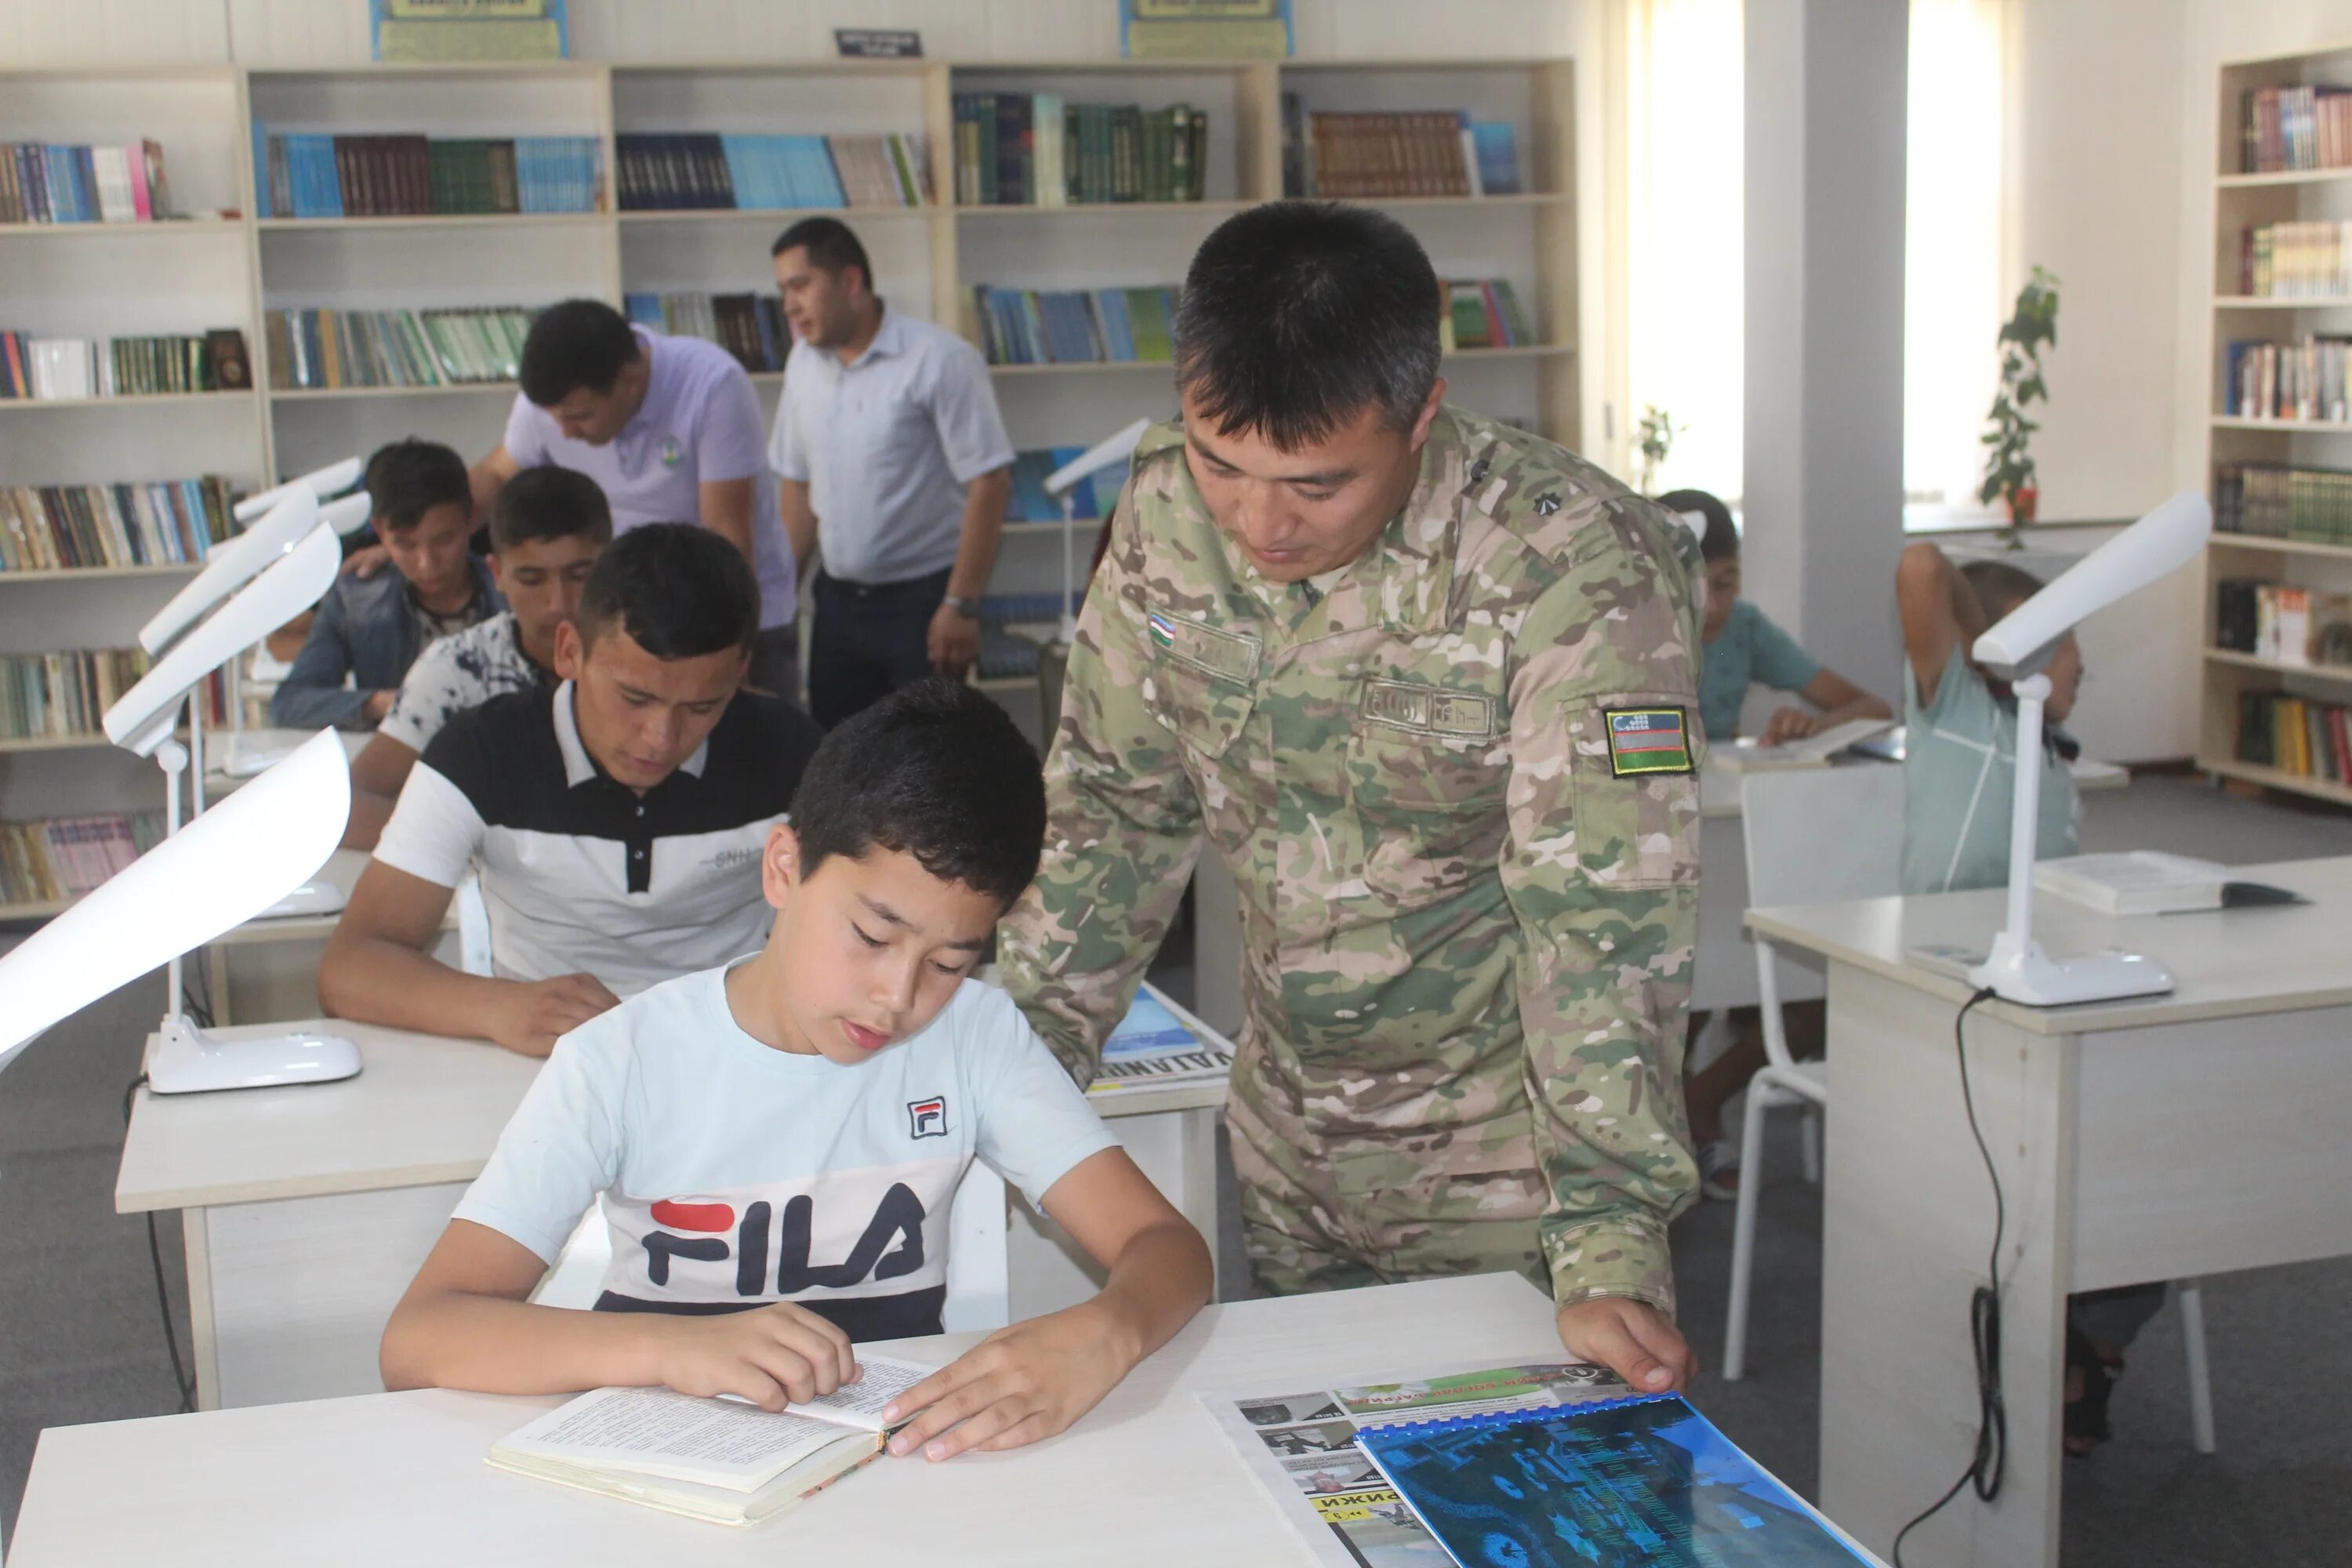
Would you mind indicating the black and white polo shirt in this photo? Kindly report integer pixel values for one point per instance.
(579, 871)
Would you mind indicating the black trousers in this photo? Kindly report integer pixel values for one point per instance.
(776, 663)
(868, 640)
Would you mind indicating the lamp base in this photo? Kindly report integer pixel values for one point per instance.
(2021, 971)
(245, 759)
(187, 1061)
(315, 896)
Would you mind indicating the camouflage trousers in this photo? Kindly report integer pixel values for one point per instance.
(1329, 1208)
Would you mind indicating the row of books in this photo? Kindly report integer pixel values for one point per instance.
(766, 173)
(150, 522)
(2304, 260)
(54, 368)
(1030, 503)
(1429, 152)
(63, 857)
(2299, 382)
(321, 349)
(1482, 313)
(2284, 624)
(2288, 127)
(1020, 149)
(2296, 735)
(2273, 500)
(749, 326)
(410, 175)
(64, 693)
(1072, 326)
(50, 182)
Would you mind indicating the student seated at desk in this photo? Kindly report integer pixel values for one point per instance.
(1958, 777)
(777, 1141)
(369, 630)
(547, 526)
(615, 819)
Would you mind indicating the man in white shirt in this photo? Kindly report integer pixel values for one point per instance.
(896, 471)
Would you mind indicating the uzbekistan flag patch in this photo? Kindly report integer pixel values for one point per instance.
(1648, 741)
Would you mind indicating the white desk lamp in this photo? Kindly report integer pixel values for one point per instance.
(2016, 650)
(185, 1059)
(1105, 453)
(332, 479)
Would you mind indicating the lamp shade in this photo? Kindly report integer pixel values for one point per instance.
(318, 484)
(2156, 546)
(1105, 453)
(231, 567)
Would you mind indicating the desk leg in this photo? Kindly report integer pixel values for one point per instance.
(1907, 1223)
(204, 1345)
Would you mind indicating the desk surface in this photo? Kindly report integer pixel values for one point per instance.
(1719, 786)
(2227, 963)
(398, 1478)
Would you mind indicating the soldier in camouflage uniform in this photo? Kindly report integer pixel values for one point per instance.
(1426, 683)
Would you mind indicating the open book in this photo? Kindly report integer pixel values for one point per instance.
(719, 1459)
(1746, 755)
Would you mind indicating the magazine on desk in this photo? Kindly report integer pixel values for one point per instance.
(1158, 1044)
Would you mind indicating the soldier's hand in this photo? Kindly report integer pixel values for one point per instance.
(1788, 724)
(1631, 1339)
(534, 1013)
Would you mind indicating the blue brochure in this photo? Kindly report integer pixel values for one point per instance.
(1645, 1482)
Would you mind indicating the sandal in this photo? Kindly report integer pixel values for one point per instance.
(1718, 1170)
(2085, 1424)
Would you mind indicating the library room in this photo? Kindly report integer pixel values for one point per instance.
(1517, 784)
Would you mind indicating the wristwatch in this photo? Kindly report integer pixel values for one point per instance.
(963, 605)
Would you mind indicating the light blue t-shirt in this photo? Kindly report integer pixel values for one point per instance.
(1749, 648)
(1959, 777)
(734, 1174)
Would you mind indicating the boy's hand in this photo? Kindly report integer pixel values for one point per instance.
(532, 1014)
(1631, 1339)
(1017, 1385)
(771, 1355)
(1788, 724)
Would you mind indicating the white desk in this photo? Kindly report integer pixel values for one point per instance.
(398, 1479)
(2163, 1138)
(309, 1209)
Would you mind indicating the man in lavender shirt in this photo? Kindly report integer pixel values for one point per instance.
(669, 428)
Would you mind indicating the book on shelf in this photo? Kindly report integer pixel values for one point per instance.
(59, 368)
(1426, 153)
(2274, 501)
(1072, 326)
(661, 171)
(717, 1459)
(66, 692)
(147, 522)
(1027, 609)
(749, 326)
(47, 182)
(2297, 735)
(2301, 382)
(319, 349)
(1482, 313)
(1020, 149)
(2300, 259)
(300, 175)
(63, 857)
(1029, 501)
(1006, 656)
(2288, 129)
(2284, 624)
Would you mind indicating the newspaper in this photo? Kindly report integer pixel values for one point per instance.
(1302, 1449)
(1158, 1044)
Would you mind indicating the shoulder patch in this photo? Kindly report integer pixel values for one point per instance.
(1648, 741)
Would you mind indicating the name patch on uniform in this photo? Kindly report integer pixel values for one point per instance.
(1429, 710)
(1230, 654)
(1648, 741)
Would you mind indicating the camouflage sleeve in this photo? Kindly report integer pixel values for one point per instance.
(1601, 869)
(1122, 828)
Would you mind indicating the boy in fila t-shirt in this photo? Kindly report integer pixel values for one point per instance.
(777, 1141)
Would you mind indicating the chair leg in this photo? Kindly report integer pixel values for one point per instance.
(2201, 1379)
(1811, 1143)
(1743, 1231)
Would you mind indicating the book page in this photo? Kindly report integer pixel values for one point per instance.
(660, 1432)
(880, 1380)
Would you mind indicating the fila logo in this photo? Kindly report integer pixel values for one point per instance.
(898, 1218)
(928, 1118)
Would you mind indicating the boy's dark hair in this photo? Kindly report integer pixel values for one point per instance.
(1296, 316)
(548, 503)
(409, 477)
(830, 246)
(577, 343)
(1719, 540)
(678, 590)
(1999, 587)
(934, 769)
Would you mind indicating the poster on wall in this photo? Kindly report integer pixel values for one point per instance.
(446, 32)
(1205, 30)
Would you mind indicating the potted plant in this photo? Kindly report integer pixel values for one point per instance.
(2008, 465)
(1658, 431)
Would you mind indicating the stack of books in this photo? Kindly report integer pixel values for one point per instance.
(64, 693)
(319, 176)
(2288, 127)
(153, 522)
(749, 326)
(2282, 623)
(2273, 500)
(769, 173)
(1027, 609)
(44, 182)
(64, 858)
(57, 368)
(319, 349)
(1433, 153)
(2301, 381)
(1072, 326)
(1019, 149)
(2301, 260)
(1482, 313)
(1029, 501)
(2296, 735)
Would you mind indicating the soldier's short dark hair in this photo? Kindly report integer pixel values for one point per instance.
(409, 477)
(1296, 316)
(576, 343)
(1719, 540)
(830, 244)
(548, 503)
(678, 589)
(937, 771)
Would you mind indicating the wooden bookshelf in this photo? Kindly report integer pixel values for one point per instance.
(2336, 673)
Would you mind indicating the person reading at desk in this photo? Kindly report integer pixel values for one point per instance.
(777, 1140)
(615, 819)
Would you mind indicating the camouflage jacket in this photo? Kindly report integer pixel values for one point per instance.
(1461, 901)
